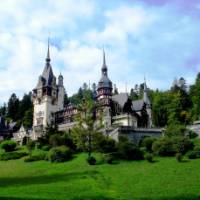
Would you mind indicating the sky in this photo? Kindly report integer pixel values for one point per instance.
(158, 39)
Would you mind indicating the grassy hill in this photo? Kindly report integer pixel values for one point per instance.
(76, 180)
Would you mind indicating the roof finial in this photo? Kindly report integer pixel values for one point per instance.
(104, 57)
(48, 53)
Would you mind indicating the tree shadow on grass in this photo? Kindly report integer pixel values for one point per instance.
(98, 197)
(101, 197)
(45, 179)
(188, 197)
(22, 198)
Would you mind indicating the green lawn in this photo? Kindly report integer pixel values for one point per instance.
(76, 180)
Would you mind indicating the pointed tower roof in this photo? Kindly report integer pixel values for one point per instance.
(48, 53)
(104, 81)
(145, 94)
(104, 67)
(47, 78)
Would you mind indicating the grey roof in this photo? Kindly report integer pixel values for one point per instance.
(104, 82)
(121, 98)
(47, 78)
(138, 104)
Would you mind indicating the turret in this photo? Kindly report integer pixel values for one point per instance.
(48, 97)
(147, 102)
(61, 92)
(104, 89)
(104, 93)
(60, 80)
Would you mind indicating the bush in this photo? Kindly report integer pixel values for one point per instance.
(110, 158)
(197, 150)
(66, 140)
(175, 130)
(8, 145)
(149, 157)
(59, 154)
(147, 142)
(164, 147)
(30, 146)
(41, 156)
(192, 155)
(107, 145)
(91, 160)
(129, 151)
(192, 134)
(183, 145)
(46, 148)
(12, 155)
(179, 157)
(55, 140)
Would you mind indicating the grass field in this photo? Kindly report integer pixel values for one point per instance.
(76, 180)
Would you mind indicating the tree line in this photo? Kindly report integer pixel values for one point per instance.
(179, 105)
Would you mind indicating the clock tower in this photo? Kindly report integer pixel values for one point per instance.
(48, 97)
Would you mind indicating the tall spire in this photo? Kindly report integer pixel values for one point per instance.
(48, 53)
(104, 67)
(145, 95)
(104, 58)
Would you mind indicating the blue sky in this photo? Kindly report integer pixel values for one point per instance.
(156, 38)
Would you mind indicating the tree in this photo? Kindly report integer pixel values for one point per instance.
(161, 101)
(86, 133)
(13, 107)
(66, 100)
(85, 86)
(30, 146)
(24, 105)
(3, 110)
(28, 118)
(144, 116)
(194, 94)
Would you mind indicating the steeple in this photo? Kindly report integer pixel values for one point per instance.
(104, 67)
(145, 95)
(47, 78)
(104, 88)
(48, 54)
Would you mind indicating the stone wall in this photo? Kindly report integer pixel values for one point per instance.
(135, 134)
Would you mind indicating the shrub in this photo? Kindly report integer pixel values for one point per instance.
(30, 146)
(147, 142)
(111, 157)
(91, 160)
(8, 145)
(175, 130)
(182, 145)
(164, 147)
(59, 154)
(107, 145)
(66, 140)
(129, 151)
(46, 148)
(37, 157)
(149, 157)
(192, 134)
(179, 157)
(197, 150)
(12, 155)
(192, 154)
(55, 140)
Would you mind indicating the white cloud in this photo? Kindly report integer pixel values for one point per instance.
(139, 40)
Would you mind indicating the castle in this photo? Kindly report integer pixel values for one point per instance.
(121, 115)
